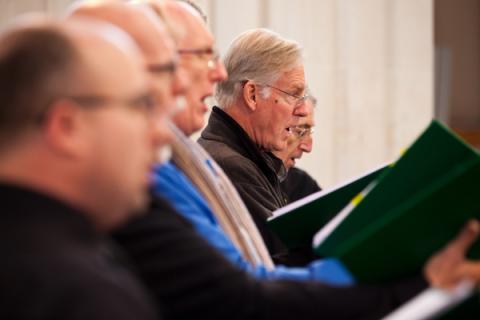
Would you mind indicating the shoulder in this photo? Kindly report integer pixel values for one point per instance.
(76, 279)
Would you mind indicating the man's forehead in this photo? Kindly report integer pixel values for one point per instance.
(294, 78)
(164, 52)
(201, 38)
(156, 42)
(107, 66)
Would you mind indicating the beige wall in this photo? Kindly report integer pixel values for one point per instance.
(11, 8)
(369, 62)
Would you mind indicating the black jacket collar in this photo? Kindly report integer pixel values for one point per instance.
(223, 128)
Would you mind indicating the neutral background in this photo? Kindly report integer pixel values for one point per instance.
(370, 63)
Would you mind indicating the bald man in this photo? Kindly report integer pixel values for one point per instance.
(67, 118)
(167, 81)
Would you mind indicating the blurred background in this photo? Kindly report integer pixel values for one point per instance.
(380, 69)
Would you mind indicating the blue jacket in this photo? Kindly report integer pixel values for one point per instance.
(172, 184)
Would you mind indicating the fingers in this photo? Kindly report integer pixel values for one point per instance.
(466, 237)
(449, 266)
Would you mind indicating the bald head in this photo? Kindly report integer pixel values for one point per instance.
(182, 17)
(150, 34)
(40, 61)
(140, 23)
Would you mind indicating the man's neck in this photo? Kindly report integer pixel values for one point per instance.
(242, 118)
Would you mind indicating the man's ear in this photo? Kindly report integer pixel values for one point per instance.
(64, 128)
(250, 95)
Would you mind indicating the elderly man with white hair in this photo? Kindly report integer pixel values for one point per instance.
(261, 102)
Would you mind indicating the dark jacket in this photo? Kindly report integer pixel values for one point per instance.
(254, 173)
(298, 184)
(193, 280)
(56, 266)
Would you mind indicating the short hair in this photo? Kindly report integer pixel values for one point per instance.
(35, 64)
(259, 55)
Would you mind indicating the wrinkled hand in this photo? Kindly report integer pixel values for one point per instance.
(449, 266)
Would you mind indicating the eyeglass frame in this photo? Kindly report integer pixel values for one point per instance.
(144, 103)
(211, 62)
(299, 99)
(158, 68)
(301, 132)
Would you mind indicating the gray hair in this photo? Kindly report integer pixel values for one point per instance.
(260, 55)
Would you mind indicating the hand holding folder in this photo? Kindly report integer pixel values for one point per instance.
(449, 266)
(410, 212)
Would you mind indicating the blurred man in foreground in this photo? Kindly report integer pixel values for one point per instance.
(67, 119)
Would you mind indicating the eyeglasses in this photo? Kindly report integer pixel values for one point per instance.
(143, 103)
(297, 100)
(158, 68)
(165, 71)
(303, 131)
(211, 54)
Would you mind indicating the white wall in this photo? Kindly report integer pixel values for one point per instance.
(369, 62)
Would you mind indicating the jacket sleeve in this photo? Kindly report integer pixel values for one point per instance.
(189, 278)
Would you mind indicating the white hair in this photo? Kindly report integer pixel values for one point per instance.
(260, 55)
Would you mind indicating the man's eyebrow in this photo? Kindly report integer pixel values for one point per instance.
(298, 88)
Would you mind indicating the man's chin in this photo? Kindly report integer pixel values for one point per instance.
(140, 203)
(198, 126)
(164, 153)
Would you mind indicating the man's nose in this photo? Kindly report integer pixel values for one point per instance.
(302, 110)
(306, 144)
(219, 72)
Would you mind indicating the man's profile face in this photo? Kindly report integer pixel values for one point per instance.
(200, 62)
(297, 145)
(120, 139)
(276, 114)
(161, 66)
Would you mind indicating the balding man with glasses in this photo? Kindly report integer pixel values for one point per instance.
(67, 119)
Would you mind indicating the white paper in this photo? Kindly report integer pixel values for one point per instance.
(432, 302)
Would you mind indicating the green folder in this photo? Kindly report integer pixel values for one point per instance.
(297, 223)
(410, 212)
